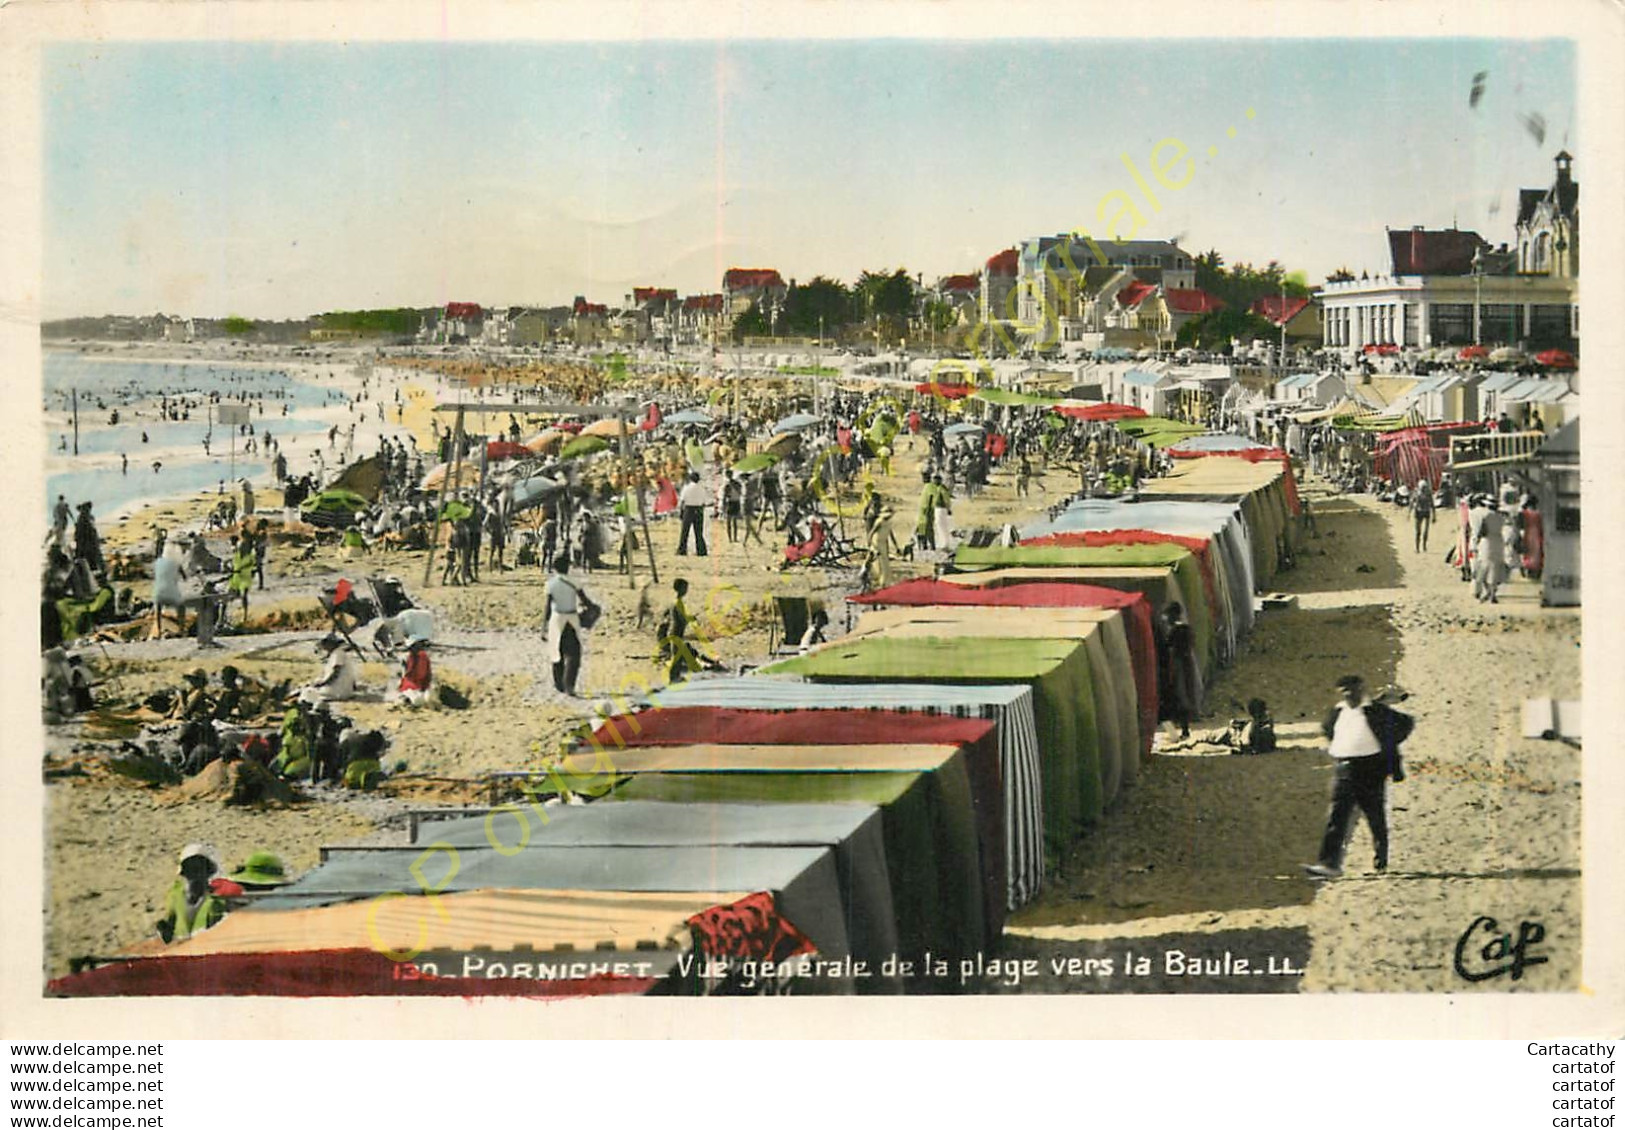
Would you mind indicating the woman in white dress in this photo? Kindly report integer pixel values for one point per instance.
(167, 574)
(1489, 553)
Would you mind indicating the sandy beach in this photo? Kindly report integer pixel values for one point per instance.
(1204, 847)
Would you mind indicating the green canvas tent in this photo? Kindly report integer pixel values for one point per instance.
(923, 792)
(1191, 592)
(1056, 669)
(1101, 630)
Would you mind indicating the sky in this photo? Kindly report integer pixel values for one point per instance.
(283, 180)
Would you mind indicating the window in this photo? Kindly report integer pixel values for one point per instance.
(1450, 323)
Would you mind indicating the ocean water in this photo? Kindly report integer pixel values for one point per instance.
(116, 381)
(178, 444)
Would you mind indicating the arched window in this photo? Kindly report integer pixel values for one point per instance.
(1542, 245)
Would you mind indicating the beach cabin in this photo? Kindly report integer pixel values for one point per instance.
(1310, 388)
(1146, 391)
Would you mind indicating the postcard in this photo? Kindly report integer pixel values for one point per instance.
(624, 509)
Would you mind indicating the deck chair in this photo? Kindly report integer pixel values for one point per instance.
(793, 614)
(804, 553)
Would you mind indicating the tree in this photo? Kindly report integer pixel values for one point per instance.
(1215, 330)
(887, 300)
(939, 316)
(822, 304)
(237, 327)
(752, 323)
(1209, 271)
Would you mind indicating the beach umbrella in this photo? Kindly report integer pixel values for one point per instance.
(571, 426)
(608, 428)
(531, 491)
(545, 441)
(689, 416)
(1473, 353)
(469, 475)
(455, 511)
(584, 445)
(799, 422)
(757, 462)
(335, 502)
(961, 429)
(499, 449)
(1506, 353)
(1556, 359)
(784, 444)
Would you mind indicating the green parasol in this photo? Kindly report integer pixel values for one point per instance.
(757, 462)
(584, 445)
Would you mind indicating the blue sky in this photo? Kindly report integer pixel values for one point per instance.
(282, 180)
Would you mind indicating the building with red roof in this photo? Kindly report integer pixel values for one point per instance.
(1299, 316)
(700, 319)
(1190, 301)
(1451, 288)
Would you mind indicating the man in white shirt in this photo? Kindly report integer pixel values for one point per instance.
(1364, 745)
(691, 504)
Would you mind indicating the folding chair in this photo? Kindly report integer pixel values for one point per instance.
(793, 614)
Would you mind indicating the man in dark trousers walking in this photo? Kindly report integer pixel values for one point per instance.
(1365, 737)
(691, 502)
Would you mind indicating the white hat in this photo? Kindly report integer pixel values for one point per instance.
(203, 850)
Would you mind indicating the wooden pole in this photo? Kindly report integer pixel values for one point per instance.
(440, 506)
(76, 421)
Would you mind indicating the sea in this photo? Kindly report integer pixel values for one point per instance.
(131, 387)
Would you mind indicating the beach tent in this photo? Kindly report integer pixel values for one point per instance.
(364, 477)
(1264, 491)
(1111, 673)
(724, 727)
(1009, 707)
(804, 881)
(1009, 397)
(1211, 565)
(1139, 637)
(1157, 431)
(851, 831)
(1104, 411)
(923, 792)
(1221, 521)
(1056, 670)
(541, 943)
(1187, 586)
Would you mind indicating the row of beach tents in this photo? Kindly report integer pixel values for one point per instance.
(860, 818)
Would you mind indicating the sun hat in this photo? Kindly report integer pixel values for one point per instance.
(196, 675)
(200, 851)
(261, 869)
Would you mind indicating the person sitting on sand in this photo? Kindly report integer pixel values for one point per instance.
(338, 680)
(417, 675)
(191, 907)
